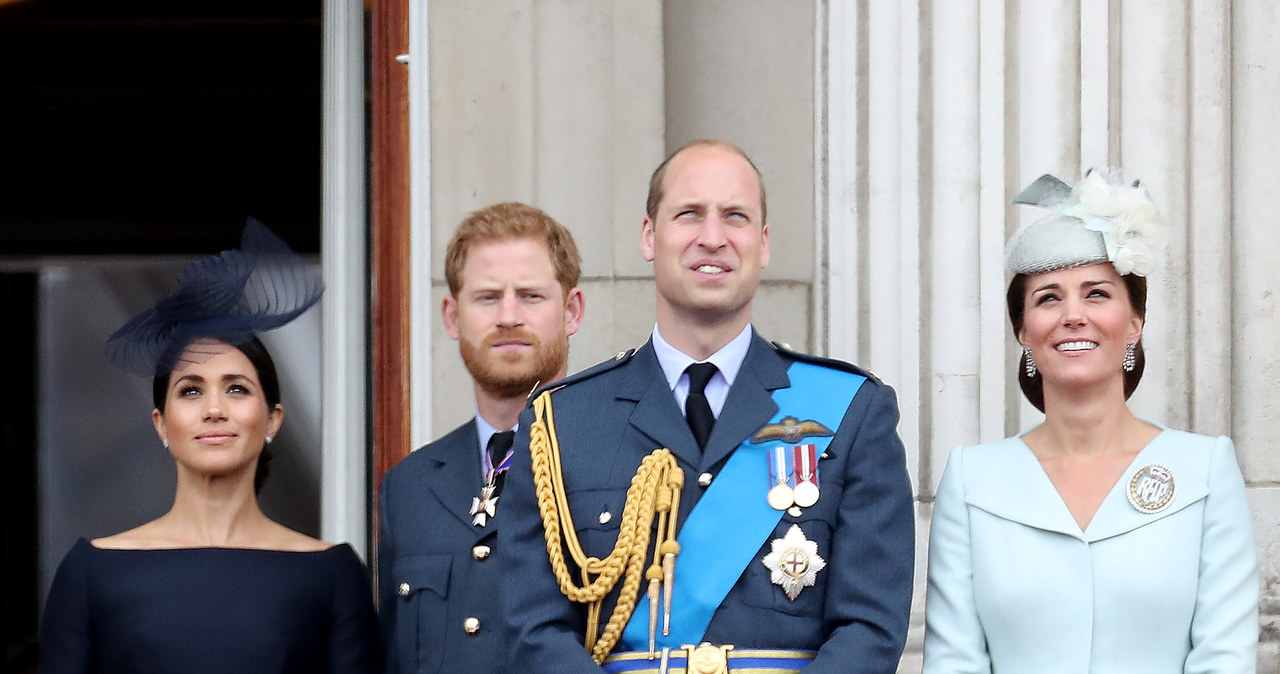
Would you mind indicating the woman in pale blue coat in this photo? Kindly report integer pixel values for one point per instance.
(1095, 542)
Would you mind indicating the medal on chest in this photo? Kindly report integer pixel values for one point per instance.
(780, 495)
(485, 506)
(793, 477)
(793, 468)
(793, 562)
(805, 462)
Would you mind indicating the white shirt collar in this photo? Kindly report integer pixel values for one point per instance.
(728, 359)
(484, 431)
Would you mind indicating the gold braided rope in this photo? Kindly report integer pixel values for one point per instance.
(654, 489)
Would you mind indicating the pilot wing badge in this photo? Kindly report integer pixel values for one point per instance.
(791, 430)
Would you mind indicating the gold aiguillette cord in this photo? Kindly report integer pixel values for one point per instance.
(654, 492)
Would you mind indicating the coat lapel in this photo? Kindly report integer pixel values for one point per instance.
(750, 403)
(1009, 482)
(1190, 469)
(656, 414)
(456, 475)
(748, 406)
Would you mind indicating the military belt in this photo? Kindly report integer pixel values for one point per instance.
(709, 659)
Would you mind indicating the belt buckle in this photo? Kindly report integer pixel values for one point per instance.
(706, 658)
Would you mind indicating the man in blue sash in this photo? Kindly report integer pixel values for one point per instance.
(710, 502)
(513, 302)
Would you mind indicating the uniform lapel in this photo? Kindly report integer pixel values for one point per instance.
(656, 413)
(750, 403)
(748, 407)
(456, 478)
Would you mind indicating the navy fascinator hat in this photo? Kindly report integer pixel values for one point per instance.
(230, 297)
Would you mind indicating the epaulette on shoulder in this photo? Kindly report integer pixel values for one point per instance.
(834, 363)
(583, 375)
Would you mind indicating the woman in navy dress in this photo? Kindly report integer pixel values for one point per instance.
(213, 585)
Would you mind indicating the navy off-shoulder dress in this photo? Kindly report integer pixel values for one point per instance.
(209, 610)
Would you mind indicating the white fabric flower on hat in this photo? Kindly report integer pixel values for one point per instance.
(1124, 215)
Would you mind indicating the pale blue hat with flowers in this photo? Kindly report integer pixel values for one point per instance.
(1101, 219)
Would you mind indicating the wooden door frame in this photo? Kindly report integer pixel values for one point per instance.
(389, 197)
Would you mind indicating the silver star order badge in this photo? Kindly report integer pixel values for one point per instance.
(483, 506)
(793, 562)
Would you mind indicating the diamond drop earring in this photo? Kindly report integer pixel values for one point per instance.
(1031, 362)
(1130, 356)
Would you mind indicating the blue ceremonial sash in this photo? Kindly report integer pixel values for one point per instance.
(733, 519)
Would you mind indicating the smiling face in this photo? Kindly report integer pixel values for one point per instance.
(708, 241)
(216, 416)
(1078, 323)
(511, 317)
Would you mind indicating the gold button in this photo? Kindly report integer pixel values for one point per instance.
(405, 589)
(480, 552)
(704, 480)
(471, 626)
(605, 517)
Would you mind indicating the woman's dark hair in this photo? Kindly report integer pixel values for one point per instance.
(258, 356)
(1033, 387)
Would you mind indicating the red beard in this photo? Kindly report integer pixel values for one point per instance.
(509, 374)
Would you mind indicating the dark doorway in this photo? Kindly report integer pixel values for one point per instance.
(156, 127)
(133, 129)
(18, 484)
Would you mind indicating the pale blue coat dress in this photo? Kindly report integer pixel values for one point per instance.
(1016, 586)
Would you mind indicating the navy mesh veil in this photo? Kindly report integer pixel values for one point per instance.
(230, 297)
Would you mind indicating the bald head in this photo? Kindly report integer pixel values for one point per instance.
(658, 186)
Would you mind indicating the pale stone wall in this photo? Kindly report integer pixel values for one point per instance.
(954, 107)
(557, 104)
(570, 105)
(891, 136)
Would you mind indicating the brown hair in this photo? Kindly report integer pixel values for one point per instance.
(513, 220)
(1033, 387)
(657, 189)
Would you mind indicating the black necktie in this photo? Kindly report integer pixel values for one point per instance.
(697, 411)
(499, 445)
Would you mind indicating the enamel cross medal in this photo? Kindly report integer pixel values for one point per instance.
(484, 506)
